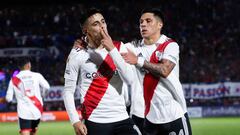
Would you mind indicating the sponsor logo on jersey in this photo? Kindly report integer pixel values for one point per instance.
(95, 75)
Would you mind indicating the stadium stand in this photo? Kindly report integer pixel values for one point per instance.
(207, 32)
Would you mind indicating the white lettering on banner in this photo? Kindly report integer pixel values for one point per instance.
(194, 91)
(209, 91)
(55, 94)
(19, 52)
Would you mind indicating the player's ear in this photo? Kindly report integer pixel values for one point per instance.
(160, 24)
(84, 31)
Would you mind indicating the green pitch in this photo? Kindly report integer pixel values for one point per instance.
(216, 126)
(200, 126)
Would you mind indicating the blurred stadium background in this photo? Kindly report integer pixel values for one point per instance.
(206, 30)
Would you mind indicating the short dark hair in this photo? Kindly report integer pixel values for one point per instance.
(85, 15)
(156, 11)
(23, 61)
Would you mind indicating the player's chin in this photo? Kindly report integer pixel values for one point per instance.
(144, 35)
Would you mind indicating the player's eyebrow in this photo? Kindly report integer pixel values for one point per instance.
(97, 21)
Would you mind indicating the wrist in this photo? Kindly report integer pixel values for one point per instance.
(77, 122)
(140, 61)
(109, 48)
(113, 50)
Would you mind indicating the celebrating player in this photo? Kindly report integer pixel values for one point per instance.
(99, 71)
(157, 60)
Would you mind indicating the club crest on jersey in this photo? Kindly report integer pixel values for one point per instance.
(159, 55)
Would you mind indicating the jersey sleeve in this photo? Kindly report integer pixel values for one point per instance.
(10, 91)
(171, 52)
(68, 98)
(43, 82)
(71, 76)
(124, 69)
(72, 65)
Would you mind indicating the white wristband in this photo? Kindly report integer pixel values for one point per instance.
(140, 62)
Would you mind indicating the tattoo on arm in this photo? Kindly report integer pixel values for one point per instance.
(163, 68)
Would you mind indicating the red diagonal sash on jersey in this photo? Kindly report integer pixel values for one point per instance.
(16, 82)
(150, 82)
(95, 93)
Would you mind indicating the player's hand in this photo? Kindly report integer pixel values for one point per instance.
(79, 44)
(130, 57)
(80, 128)
(107, 40)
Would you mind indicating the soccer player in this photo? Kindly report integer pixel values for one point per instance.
(26, 87)
(157, 60)
(99, 71)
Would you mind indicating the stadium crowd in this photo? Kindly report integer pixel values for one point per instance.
(207, 32)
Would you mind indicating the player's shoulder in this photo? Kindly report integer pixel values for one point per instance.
(29, 74)
(77, 51)
(77, 54)
(168, 40)
(76, 57)
(171, 46)
(171, 43)
(35, 73)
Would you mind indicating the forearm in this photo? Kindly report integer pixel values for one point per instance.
(162, 69)
(8, 98)
(9, 95)
(124, 69)
(68, 97)
(45, 85)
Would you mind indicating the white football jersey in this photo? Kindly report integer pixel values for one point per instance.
(167, 102)
(99, 75)
(134, 91)
(26, 87)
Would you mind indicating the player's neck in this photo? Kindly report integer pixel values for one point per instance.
(25, 69)
(152, 39)
(95, 45)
